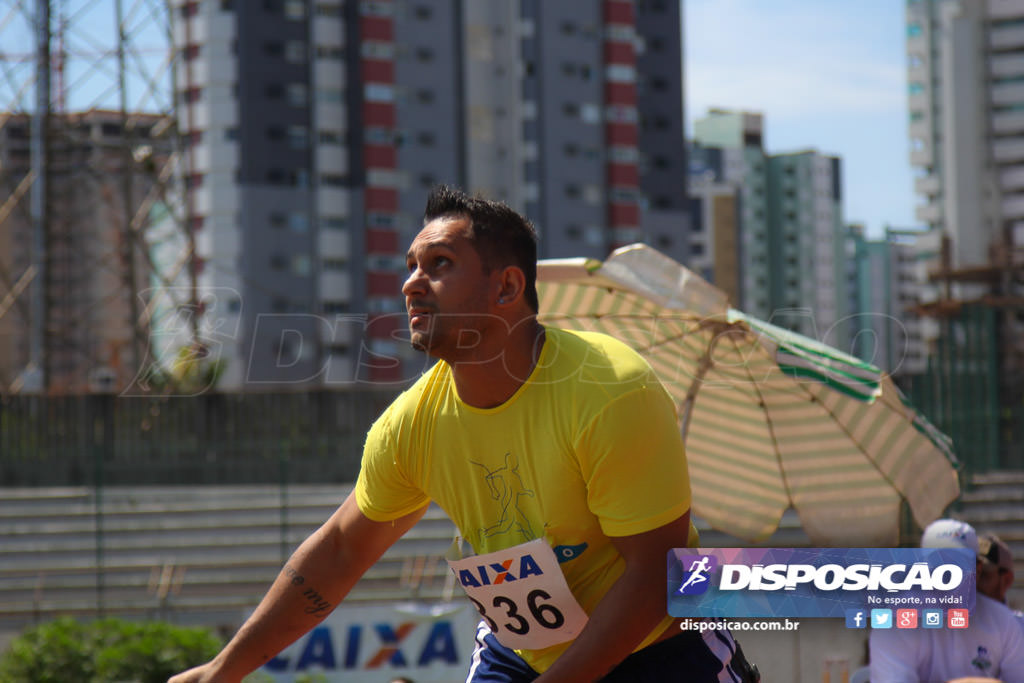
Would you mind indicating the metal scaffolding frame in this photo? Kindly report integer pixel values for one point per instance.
(93, 83)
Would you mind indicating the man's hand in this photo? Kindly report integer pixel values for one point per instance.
(629, 611)
(200, 674)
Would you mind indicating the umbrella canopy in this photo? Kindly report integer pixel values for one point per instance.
(771, 419)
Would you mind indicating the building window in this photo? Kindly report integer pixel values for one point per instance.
(371, 49)
(913, 29)
(298, 94)
(620, 73)
(336, 307)
(331, 137)
(273, 48)
(330, 95)
(372, 8)
(335, 264)
(298, 221)
(375, 135)
(301, 265)
(274, 91)
(426, 138)
(328, 9)
(379, 92)
(424, 96)
(295, 52)
(329, 52)
(375, 219)
(332, 179)
(298, 137)
(424, 54)
(333, 222)
(423, 12)
(294, 10)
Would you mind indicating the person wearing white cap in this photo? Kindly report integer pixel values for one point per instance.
(992, 645)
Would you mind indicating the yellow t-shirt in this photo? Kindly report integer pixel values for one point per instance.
(588, 447)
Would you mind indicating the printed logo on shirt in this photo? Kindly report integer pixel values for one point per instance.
(982, 662)
(495, 573)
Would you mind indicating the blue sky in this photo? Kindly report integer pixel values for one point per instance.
(826, 74)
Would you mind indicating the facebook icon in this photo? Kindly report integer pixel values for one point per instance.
(856, 618)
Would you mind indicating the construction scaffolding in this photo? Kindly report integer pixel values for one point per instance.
(95, 240)
(973, 388)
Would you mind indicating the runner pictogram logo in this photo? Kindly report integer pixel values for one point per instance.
(696, 574)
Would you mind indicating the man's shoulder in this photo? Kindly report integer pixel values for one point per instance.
(594, 355)
(408, 403)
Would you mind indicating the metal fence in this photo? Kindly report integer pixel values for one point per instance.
(215, 438)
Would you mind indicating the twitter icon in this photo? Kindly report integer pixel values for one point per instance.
(881, 618)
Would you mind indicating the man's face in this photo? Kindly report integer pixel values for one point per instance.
(991, 583)
(447, 292)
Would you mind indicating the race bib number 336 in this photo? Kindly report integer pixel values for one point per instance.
(522, 595)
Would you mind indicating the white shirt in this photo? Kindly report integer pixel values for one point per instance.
(992, 645)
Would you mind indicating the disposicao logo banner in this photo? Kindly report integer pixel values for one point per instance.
(816, 582)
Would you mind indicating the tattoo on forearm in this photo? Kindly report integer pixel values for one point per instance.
(317, 604)
(296, 578)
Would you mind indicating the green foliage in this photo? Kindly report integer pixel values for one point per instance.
(105, 651)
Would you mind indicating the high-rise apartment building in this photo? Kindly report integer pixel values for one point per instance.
(317, 129)
(738, 137)
(805, 245)
(790, 246)
(966, 99)
(884, 290)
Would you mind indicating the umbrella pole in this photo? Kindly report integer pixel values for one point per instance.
(691, 394)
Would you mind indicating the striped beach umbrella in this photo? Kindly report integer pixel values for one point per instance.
(771, 419)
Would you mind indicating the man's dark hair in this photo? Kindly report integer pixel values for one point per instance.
(500, 235)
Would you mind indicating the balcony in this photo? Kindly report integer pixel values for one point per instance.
(1008, 122)
(928, 185)
(1013, 206)
(334, 244)
(1006, 65)
(1007, 93)
(928, 213)
(1008, 149)
(1006, 37)
(922, 157)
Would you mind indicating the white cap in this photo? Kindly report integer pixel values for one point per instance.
(950, 533)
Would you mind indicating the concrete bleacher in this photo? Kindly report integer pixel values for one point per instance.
(994, 503)
(200, 555)
(192, 555)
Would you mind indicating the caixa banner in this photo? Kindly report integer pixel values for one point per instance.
(375, 643)
(816, 582)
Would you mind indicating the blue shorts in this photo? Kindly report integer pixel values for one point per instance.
(690, 656)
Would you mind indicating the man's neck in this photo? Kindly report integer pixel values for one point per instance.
(489, 383)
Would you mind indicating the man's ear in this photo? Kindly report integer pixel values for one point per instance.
(511, 285)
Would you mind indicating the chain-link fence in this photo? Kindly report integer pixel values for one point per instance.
(215, 438)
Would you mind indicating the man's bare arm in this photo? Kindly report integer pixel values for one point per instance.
(314, 581)
(630, 609)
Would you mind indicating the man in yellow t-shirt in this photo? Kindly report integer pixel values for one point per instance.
(556, 453)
